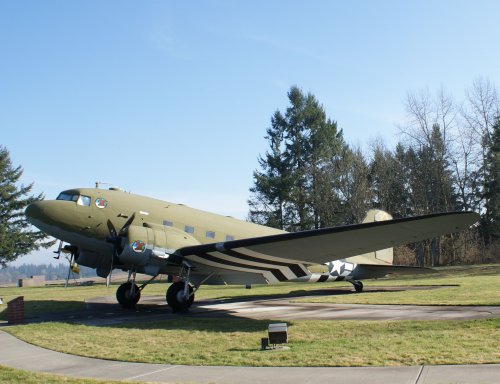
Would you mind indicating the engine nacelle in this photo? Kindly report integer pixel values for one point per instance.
(92, 259)
(143, 243)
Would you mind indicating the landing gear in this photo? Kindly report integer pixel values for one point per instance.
(180, 295)
(358, 285)
(177, 298)
(128, 294)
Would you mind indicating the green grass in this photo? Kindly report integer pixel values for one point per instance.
(17, 376)
(235, 341)
(202, 341)
(472, 285)
(476, 285)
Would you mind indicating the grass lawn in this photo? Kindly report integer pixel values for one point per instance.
(203, 341)
(235, 341)
(475, 285)
(17, 376)
(470, 285)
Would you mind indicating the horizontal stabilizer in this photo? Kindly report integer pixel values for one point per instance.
(377, 270)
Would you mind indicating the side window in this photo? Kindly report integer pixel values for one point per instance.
(210, 234)
(189, 229)
(168, 223)
(229, 238)
(84, 200)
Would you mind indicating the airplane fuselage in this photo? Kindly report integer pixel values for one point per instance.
(80, 217)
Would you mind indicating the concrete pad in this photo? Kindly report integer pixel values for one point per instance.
(105, 311)
(288, 310)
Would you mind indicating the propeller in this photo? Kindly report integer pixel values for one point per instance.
(116, 238)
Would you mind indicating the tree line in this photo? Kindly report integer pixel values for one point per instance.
(51, 272)
(447, 159)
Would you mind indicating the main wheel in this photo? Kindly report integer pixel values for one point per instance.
(358, 286)
(176, 299)
(125, 297)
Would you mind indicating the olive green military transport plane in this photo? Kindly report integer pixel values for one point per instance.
(112, 229)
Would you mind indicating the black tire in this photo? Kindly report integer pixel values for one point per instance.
(358, 286)
(174, 297)
(125, 297)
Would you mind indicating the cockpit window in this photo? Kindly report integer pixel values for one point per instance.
(84, 200)
(67, 196)
(79, 199)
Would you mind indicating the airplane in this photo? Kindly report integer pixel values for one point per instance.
(109, 229)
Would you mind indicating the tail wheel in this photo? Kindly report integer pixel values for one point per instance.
(176, 299)
(127, 297)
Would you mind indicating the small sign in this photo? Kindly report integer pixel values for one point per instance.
(278, 333)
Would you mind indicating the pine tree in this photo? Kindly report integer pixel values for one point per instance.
(295, 188)
(389, 178)
(271, 189)
(492, 190)
(17, 237)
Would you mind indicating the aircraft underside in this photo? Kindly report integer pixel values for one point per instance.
(187, 277)
(187, 280)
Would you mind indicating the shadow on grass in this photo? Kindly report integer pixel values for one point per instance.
(153, 313)
(227, 324)
(37, 309)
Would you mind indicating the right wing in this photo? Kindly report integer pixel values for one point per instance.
(286, 256)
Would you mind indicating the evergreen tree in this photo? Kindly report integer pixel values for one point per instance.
(492, 190)
(389, 180)
(354, 187)
(295, 188)
(16, 236)
(271, 189)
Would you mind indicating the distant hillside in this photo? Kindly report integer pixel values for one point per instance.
(51, 272)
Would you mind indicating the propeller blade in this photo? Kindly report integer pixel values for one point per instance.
(115, 238)
(123, 230)
(111, 229)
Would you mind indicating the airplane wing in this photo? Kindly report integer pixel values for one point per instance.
(285, 256)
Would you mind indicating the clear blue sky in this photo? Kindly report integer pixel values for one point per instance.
(172, 99)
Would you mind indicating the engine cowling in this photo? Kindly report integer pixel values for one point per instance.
(144, 242)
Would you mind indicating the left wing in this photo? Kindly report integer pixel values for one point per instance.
(285, 256)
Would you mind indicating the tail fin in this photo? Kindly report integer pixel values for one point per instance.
(383, 256)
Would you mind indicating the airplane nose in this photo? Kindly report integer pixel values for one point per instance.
(34, 211)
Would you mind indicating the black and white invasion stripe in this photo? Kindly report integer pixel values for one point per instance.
(245, 260)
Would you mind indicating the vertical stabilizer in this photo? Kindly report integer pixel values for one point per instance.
(383, 256)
